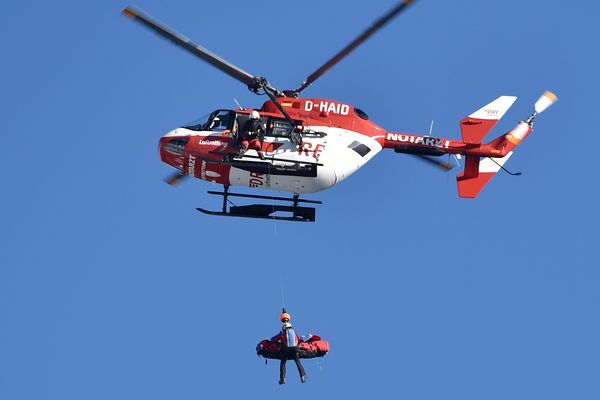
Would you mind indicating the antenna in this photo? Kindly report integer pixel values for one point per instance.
(282, 297)
(431, 128)
(238, 104)
(456, 158)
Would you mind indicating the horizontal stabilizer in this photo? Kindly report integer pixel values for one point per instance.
(476, 126)
(478, 173)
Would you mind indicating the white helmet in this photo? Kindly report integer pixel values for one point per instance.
(254, 115)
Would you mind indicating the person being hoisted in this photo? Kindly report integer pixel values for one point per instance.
(251, 134)
(289, 347)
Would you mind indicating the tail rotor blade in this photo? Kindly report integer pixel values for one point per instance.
(545, 101)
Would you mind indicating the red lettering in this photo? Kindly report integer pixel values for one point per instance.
(306, 147)
(255, 182)
(318, 149)
(256, 175)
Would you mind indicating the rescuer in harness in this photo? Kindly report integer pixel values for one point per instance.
(251, 134)
(289, 347)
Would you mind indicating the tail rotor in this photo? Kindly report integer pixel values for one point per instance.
(546, 100)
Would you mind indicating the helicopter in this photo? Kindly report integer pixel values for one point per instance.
(311, 144)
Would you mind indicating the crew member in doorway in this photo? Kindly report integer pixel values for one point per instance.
(251, 134)
(289, 347)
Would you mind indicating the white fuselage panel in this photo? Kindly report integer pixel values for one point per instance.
(342, 152)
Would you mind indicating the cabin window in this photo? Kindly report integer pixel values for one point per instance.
(359, 148)
(361, 113)
(280, 128)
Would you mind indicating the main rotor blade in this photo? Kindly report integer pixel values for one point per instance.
(355, 43)
(190, 46)
(176, 178)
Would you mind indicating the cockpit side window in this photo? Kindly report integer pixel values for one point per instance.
(222, 121)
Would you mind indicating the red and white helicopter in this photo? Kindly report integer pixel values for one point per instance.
(313, 143)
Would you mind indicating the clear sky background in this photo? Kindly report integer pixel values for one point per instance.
(112, 286)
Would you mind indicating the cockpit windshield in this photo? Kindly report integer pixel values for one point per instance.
(218, 121)
(197, 124)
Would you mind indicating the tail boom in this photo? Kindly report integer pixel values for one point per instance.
(482, 161)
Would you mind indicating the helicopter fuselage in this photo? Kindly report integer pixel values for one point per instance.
(337, 140)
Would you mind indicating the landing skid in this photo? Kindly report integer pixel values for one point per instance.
(264, 211)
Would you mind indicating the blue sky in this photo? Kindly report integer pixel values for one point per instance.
(113, 286)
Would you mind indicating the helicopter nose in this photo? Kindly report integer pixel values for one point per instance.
(171, 149)
(161, 144)
(165, 156)
(175, 132)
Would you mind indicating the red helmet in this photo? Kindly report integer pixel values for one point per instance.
(285, 316)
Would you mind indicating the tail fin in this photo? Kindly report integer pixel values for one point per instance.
(476, 126)
(478, 173)
(474, 129)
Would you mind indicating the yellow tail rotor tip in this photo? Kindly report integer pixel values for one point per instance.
(551, 95)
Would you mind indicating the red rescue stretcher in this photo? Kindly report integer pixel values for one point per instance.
(314, 346)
